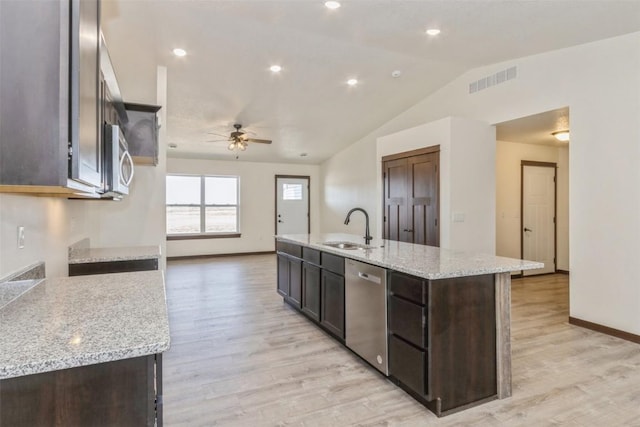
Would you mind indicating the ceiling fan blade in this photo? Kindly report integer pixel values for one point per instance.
(261, 141)
(218, 140)
(218, 134)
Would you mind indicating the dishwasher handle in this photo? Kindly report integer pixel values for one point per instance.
(369, 277)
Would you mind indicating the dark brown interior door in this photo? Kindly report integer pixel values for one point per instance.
(423, 181)
(395, 199)
(411, 199)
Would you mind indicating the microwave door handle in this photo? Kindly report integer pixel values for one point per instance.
(127, 156)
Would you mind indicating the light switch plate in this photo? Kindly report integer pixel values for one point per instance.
(21, 237)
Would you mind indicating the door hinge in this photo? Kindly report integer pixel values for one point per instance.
(554, 219)
(385, 219)
(436, 222)
(69, 150)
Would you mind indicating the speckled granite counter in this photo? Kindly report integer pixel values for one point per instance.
(69, 322)
(423, 261)
(90, 255)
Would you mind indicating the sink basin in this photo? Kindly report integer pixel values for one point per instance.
(347, 245)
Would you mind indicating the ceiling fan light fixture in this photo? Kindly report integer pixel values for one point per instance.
(561, 135)
(232, 145)
(243, 146)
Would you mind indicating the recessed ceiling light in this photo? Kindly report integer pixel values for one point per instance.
(433, 31)
(275, 68)
(179, 52)
(332, 4)
(352, 82)
(396, 74)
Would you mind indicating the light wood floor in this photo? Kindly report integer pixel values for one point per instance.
(240, 357)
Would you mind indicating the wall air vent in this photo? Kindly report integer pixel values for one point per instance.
(493, 79)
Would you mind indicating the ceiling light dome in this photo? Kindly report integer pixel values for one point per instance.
(179, 52)
(332, 4)
(433, 31)
(561, 135)
(352, 82)
(275, 68)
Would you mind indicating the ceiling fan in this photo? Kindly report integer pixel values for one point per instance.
(239, 139)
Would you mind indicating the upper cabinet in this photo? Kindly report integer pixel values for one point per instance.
(50, 119)
(141, 132)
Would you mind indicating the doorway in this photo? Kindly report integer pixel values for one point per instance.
(538, 208)
(292, 205)
(411, 187)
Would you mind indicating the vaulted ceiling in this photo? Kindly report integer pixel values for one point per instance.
(308, 108)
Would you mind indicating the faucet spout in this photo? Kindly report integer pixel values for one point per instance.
(367, 236)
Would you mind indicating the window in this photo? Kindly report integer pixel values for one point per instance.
(291, 191)
(202, 205)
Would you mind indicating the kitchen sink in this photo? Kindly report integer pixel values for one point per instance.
(347, 245)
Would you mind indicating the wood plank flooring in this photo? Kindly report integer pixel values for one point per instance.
(241, 357)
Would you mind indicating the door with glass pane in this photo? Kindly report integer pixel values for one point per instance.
(292, 204)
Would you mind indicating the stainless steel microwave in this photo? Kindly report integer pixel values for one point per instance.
(118, 163)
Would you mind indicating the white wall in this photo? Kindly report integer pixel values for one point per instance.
(467, 178)
(257, 204)
(600, 82)
(52, 224)
(508, 204)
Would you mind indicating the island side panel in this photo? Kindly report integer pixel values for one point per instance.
(503, 333)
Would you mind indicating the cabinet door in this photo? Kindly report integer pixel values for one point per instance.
(332, 303)
(295, 281)
(311, 290)
(86, 138)
(283, 275)
(395, 200)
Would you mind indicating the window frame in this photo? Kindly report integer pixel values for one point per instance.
(203, 234)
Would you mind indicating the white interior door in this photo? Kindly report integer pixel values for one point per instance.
(538, 217)
(292, 205)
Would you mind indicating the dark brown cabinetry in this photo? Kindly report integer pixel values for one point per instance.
(311, 279)
(411, 201)
(442, 339)
(313, 282)
(49, 88)
(141, 132)
(121, 393)
(332, 312)
(113, 267)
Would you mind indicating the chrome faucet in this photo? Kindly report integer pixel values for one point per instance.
(367, 236)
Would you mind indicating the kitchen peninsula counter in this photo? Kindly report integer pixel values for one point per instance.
(428, 262)
(129, 253)
(447, 312)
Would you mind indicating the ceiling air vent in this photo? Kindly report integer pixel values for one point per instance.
(493, 79)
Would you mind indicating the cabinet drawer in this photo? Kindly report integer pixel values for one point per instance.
(409, 287)
(407, 320)
(408, 364)
(289, 248)
(333, 263)
(311, 255)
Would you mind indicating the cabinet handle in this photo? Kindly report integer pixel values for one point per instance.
(408, 231)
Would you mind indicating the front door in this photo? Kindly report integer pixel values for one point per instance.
(538, 215)
(292, 205)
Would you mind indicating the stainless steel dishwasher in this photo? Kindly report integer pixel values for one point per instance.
(366, 312)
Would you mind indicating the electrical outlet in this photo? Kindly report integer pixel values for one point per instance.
(21, 237)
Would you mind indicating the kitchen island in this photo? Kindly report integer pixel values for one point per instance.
(447, 312)
(85, 351)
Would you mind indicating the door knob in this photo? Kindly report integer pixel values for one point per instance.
(527, 229)
(280, 220)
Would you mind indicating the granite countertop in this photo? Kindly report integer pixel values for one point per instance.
(89, 255)
(76, 321)
(9, 291)
(428, 262)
